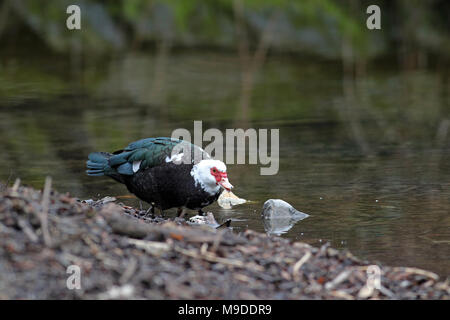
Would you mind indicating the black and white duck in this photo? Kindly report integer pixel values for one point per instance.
(165, 172)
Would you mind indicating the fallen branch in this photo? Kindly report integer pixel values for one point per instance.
(213, 258)
(43, 215)
(418, 271)
(299, 264)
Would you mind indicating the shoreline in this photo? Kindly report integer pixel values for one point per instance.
(122, 256)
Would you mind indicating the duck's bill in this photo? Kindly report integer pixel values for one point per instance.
(224, 183)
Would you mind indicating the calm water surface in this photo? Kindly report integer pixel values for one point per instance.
(368, 160)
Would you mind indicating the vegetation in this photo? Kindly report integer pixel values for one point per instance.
(311, 26)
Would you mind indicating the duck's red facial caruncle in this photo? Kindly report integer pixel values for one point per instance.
(221, 178)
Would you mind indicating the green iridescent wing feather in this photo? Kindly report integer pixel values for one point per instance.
(145, 153)
(149, 152)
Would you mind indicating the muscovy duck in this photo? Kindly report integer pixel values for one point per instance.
(165, 172)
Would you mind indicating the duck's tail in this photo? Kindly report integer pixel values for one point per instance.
(98, 164)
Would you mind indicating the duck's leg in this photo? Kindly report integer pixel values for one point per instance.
(152, 210)
(161, 212)
(181, 212)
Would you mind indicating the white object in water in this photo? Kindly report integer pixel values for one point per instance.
(277, 208)
(279, 216)
(228, 199)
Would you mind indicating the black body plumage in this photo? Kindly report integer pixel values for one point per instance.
(169, 185)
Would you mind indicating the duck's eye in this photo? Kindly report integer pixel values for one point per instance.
(214, 170)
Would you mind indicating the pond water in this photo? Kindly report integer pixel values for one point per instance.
(368, 160)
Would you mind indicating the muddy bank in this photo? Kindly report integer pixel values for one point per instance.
(121, 254)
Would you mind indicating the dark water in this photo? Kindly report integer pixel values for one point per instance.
(369, 159)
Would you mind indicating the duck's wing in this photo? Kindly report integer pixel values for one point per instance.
(151, 152)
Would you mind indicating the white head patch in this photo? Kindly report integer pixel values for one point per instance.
(201, 172)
